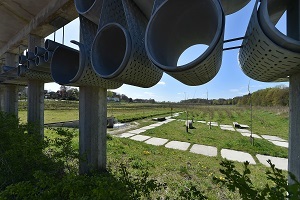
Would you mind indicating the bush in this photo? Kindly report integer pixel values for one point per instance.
(234, 180)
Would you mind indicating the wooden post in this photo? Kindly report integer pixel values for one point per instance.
(35, 114)
(293, 31)
(92, 129)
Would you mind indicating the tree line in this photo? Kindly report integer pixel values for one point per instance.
(276, 96)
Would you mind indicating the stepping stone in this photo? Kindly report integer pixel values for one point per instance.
(156, 141)
(281, 144)
(280, 163)
(227, 127)
(137, 131)
(273, 138)
(125, 135)
(140, 138)
(147, 128)
(204, 150)
(237, 156)
(213, 123)
(155, 125)
(244, 126)
(178, 145)
(243, 130)
(203, 122)
(249, 134)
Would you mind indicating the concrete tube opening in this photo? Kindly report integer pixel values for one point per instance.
(110, 50)
(83, 6)
(191, 54)
(177, 25)
(266, 13)
(64, 64)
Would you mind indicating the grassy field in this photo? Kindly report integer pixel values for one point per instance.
(180, 169)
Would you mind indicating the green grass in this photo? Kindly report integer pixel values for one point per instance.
(177, 168)
(221, 139)
(265, 121)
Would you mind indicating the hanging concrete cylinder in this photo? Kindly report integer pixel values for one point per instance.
(197, 22)
(41, 65)
(24, 72)
(22, 59)
(68, 65)
(229, 6)
(232, 6)
(90, 9)
(48, 56)
(30, 59)
(267, 55)
(118, 51)
(51, 45)
(39, 51)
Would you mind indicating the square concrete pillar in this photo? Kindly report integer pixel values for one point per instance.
(35, 114)
(293, 31)
(92, 129)
(9, 97)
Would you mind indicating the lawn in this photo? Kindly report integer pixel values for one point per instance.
(181, 169)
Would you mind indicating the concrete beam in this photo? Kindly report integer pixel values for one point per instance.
(293, 31)
(41, 24)
(92, 129)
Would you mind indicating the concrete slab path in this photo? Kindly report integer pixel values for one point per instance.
(125, 135)
(156, 141)
(204, 150)
(227, 127)
(273, 138)
(280, 163)
(140, 138)
(281, 144)
(249, 134)
(137, 131)
(178, 145)
(237, 156)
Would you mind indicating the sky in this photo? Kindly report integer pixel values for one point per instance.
(228, 83)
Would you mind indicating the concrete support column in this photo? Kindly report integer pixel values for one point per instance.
(35, 113)
(1, 98)
(11, 99)
(10, 92)
(293, 31)
(92, 129)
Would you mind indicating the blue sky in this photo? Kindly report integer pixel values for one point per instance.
(228, 83)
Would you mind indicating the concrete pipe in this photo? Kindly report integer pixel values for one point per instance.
(39, 51)
(232, 6)
(197, 22)
(90, 9)
(145, 6)
(67, 66)
(30, 59)
(41, 65)
(24, 72)
(22, 59)
(268, 55)
(229, 6)
(48, 56)
(51, 45)
(118, 51)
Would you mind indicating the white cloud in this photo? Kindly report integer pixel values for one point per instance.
(161, 83)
